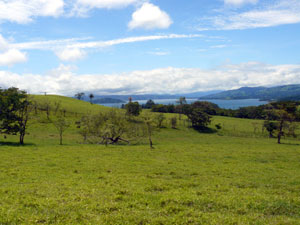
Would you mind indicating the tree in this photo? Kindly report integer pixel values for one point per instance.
(61, 125)
(271, 126)
(79, 95)
(14, 112)
(198, 118)
(149, 104)
(207, 107)
(173, 122)
(159, 119)
(133, 109)
(181, 101)
(91, 96)
(283, 113)
(149, 127)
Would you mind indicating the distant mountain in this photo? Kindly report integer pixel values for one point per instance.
(107, 101)
(285, 92)
(153, 96)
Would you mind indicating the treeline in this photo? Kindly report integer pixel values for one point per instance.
(279, 116)
(249, 112)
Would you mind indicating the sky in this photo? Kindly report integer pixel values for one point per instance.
(148, 46)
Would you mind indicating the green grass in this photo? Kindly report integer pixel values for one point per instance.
(233, 176)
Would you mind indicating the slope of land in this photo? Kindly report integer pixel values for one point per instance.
(274, 93)
(233, 176)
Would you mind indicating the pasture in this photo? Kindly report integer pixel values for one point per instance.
(235, 175)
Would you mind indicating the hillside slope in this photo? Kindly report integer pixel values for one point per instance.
(68, 104)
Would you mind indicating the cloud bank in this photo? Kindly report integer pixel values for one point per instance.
(165, 80)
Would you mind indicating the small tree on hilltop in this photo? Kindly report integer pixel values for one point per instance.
(91, 96)
(79, 95)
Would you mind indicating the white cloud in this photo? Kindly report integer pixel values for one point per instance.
(23, 11)
(150, 17)
(239, 2)
(3, 43)
(159, 53)
(70, 54)
(82, 7)
(11, 57)
(72, 49)
(218, 46)
(109, 4)
(82, 44)
(278, 13)
(165, 80)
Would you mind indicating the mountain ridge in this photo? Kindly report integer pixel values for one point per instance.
(283, 92)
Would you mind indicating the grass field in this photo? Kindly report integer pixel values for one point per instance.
(233, 176)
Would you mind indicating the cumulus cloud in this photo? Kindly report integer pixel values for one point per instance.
(23, 11)
(239, 2)
(148, 17)
(165, 80)
(11, 57)
(279, 13)
(70, 54)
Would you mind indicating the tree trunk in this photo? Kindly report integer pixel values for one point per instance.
(60, 138)
(22, 138)
(280, 132)
(150, 138)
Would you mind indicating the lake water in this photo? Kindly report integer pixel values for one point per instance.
(226, 104)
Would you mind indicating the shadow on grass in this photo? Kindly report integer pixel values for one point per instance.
(293, 144)
(206, 130)
(16, 144)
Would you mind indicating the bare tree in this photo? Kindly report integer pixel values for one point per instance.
(61, 124)
(149, 126)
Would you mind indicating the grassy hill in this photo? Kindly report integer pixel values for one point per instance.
(233, 176)
(274, 93)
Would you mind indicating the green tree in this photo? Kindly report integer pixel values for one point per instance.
(199, 119)
(79, 95)
(270, 126)
(159, 118)
(133, 109)
(284, 113)
(149, 104)
(14, 112)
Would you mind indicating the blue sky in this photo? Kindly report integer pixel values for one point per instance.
(148, 46)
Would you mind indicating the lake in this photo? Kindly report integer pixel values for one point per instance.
(226, 104)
